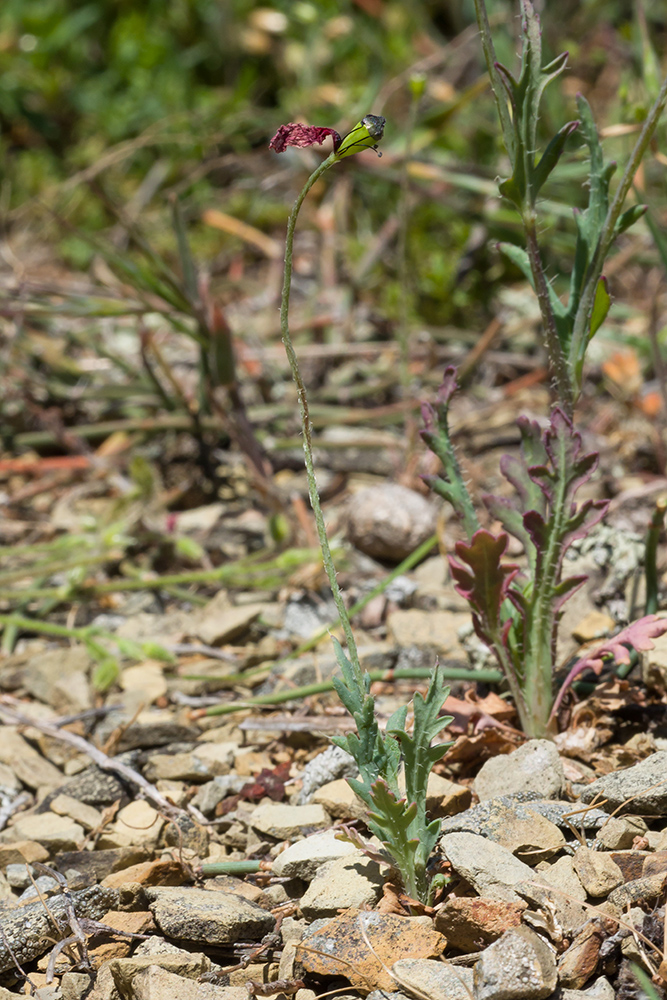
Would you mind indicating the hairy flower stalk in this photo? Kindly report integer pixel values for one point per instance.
(398, 820)
(365, 135)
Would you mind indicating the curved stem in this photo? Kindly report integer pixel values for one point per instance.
(306, 424)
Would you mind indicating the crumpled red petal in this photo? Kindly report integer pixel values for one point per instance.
(296, 134)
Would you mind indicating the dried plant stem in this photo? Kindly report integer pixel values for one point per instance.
(305, 414)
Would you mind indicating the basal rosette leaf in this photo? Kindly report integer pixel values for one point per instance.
(484, 581)
(638, 635)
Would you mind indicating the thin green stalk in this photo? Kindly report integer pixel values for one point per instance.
(321, 687)
(651, 555)
(608, 234)
(303, 409)
(557, 360)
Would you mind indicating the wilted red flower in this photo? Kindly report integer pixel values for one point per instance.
(296, 134)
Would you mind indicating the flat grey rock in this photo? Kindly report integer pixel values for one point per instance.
(533, 767)
(518, 966)
(437, 980)
(645, 784)
(207, 917)
(331, 764)
(29, 931)
(492, 870)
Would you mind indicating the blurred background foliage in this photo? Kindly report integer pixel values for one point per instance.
(110, 106)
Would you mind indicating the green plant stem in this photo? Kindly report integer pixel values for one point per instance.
(580, 328)
(47, 569)
(321, 687)
(243, 572)
(557, 360)
(233, 868)
(303, 409)
(651, 554)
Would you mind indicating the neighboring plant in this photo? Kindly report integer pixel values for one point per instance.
(399, 821)
(517, 611)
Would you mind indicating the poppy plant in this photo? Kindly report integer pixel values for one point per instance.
(365, 135)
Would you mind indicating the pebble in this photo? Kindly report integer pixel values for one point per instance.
(55, 833)
(533, 767)
(86, 816)
(389, 521)
(207, 917)
(436, 631)
(643, 783)
(513, 825)
(355, 881)
(284, 822)
(598, 873)
(33, 770)
(28, 931)
(339, 800)
(600, 990)
(436, 980)
(331, 764)
(471, 923)
(492, 870)
(518, 965)
(618, 832)
(302, 859)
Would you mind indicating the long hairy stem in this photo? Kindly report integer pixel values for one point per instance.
(306, 424)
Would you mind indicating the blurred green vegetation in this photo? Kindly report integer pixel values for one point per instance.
(99, 98)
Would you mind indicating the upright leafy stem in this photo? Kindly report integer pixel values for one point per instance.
(567, 328)
(400, 822)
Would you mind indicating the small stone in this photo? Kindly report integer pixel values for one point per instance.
(436, 631)
(284, 822)
(147, 678)
(28, 765)
(579, 962)
(339, 800)
(216, 626)
(95, 865)
(596, 625)
(492, 870)
(206, 917)
(75, 985)
(139, 823)
(471, 923)
(389, 521)
(302, 859)
(436, 980)
(564, 893)
(185, 766)
(631, 863)
(527, 834)
(519, 964)
(655, 864)
(597, 872)
(600, 990)
(641, 788)
(330, 765)
(22, 851)
(338, 885)
(640, 890)
(533, 767)
(619, 832)
(55, 833)
(86, 816)
(218, 757)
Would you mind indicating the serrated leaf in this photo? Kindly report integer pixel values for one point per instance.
(485, 583)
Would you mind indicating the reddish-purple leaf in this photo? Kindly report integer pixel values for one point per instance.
(485, 584)
(296, 134)
(638, 635)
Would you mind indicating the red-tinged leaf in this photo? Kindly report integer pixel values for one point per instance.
(296, 134)
(268, 782)
(485, 584)
(638, 635)
(448, 386)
